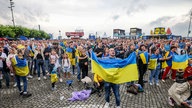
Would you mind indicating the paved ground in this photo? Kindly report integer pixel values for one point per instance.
(44, 97)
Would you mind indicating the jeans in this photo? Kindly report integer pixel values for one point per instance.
(84, 71)
(115, 88)
(154, 74)
(18, 78)
(6, 76)
(30, 65)
(38, 67)
(35, 65)
(47, 65)
(78, 71)
(142, 71)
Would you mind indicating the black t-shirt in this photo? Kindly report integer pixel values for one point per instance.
(47, 50)
(98, 50)
(39, 56)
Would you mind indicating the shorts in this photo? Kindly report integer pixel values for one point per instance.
(66, 70)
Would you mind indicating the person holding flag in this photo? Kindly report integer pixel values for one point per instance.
(168, 61)
(109, 85)
(154, 66)
(143, 57)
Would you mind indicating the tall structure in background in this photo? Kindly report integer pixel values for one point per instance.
(118, 33)
(189, 28)
(11, 7)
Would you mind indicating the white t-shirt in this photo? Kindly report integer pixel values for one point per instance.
(3, 55)
(66, 63)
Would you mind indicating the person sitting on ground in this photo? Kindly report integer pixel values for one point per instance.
(98, 83)
(180, 93)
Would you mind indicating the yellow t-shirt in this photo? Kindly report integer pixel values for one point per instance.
(97, 78)
(77, 54)
(21, 71)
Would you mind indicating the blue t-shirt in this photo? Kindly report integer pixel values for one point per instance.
(182, 45)
(167, 47)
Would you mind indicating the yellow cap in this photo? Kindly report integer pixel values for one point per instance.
(20, 46)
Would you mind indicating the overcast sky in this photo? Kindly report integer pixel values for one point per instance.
(98, 15)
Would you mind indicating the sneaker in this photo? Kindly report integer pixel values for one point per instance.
(163, 80)
(151, 84)
(30, 76)
(53, 88)
(170, 102)
(45, 77)
(118, 107)
(12, 74)
(61, 80)
(48, 74)
(15, 85)
(157, 84)
(39, 78)
(106, 105)
(21, 83)
(21, 93)
(26, 95)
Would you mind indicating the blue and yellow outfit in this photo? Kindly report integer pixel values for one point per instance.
(21, 71)
(168, 64)
(155, 67)
(54, 77)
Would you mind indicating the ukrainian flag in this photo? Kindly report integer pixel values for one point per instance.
(115, 70)
(164, 64)
(152, 64)
(69, 52)
(179, 61)
(144, 57)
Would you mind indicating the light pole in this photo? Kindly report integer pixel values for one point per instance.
(11, 7)
(189, 31)
(59, 32)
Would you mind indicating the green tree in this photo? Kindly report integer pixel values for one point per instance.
(17, 31)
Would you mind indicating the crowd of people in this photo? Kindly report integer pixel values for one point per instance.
(49, 58)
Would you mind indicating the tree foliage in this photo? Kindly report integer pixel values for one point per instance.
(14, 32)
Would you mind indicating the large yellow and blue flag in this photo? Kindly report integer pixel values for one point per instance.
(115, 70)
(179, 61)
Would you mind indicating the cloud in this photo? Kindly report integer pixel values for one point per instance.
(136, 8)
(181, 28)
(25, 13)
(178, 24)
(160, 21)
(115, 17)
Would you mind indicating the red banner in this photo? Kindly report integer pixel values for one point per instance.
(74, 33)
